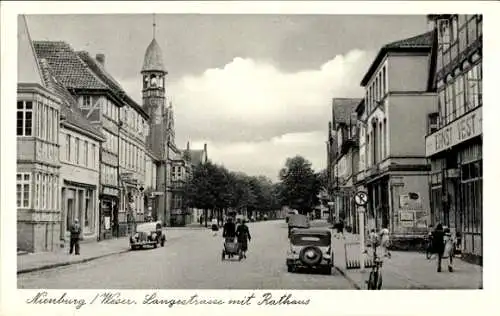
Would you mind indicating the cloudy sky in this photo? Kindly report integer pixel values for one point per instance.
(256, 88)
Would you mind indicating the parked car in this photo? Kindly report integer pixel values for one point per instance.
(310, 248)
(297, 221)
(148, 234)
(290, 213)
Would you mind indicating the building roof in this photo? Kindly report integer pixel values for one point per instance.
(418, 43)
(67, 67)
(342, 108)
(153, 58)
(107, 78)
(28, 70)
(360, 107)
(70, 111)
(196, 155)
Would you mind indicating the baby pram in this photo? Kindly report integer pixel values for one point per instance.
(231, 248)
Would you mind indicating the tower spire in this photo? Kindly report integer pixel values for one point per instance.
(154, 25)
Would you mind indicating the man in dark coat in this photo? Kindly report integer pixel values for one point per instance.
(229, 230)
(243, 235)
(74, 241)
(438, 244)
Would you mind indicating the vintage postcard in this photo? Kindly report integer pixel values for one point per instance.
(166, 153)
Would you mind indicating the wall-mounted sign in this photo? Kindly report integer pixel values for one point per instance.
(406, 216)
(467, 127)
(109, 191)
(410, 200)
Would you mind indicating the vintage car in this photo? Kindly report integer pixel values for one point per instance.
(297, 221)
(148, 234)
(310, 248)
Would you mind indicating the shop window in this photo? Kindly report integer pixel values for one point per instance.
(24, 118)
(87, 212)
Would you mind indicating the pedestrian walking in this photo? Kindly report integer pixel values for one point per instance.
(374, 239)
(75, 235)
(439, 246)
(449, 247)
(340, 229)
(385, 242)
(215, 226)
(243, 236)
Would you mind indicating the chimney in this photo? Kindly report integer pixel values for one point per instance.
(205, 149)
(100, 58)
(187, 146)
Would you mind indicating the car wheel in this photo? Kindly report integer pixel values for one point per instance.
(223, 255)
(163, 242)
(290, 269)
(155, 245)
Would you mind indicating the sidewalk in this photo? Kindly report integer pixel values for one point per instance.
(408, 270)
(89, 251)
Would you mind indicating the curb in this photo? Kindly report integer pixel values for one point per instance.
(348, 278)
(68, 263)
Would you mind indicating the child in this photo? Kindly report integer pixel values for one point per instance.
(215, 226)
(384, 241)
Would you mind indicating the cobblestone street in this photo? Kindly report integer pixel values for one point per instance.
(192, 261)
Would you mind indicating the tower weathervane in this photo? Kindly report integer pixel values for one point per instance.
(154, 25)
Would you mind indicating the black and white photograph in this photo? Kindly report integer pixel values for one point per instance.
(280, 151)
(297, 158)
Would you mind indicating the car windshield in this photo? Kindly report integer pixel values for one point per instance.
(310, 240)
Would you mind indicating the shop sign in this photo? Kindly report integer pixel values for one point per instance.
(467, 127)
(406, 216)
(411, 200)
(109, 191)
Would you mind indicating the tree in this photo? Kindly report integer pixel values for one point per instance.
(299, 185)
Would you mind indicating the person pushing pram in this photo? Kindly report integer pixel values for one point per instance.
(229, 235)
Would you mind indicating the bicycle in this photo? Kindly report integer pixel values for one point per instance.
(374, 281)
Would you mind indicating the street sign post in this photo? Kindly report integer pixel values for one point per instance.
(361, 216)
(361, 199)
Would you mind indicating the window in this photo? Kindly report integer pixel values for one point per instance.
(454, 29)
(450, 104)
(91, 156)
(444, 34)
(23, 190)
(24, 118)
(46, 126)
(474, 87)
(49, 124)
(459, 95)
(44, 192)
(67, 148)
(77, 153)
(86, 154)
(55, 193)
(86, 101)
(49, 192)
(37, 191)
(384, 88)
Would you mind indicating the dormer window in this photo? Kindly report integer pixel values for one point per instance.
(86, 101)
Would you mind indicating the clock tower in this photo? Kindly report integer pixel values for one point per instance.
(160, 138)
